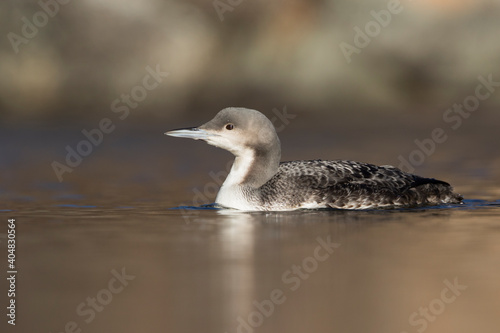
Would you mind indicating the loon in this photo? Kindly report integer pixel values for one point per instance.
(258, 181)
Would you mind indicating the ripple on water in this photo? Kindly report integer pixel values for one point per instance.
(466, 205)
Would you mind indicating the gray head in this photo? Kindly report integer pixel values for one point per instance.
(237, 130)
(249, 135)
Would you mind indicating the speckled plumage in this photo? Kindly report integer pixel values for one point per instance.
(348, 185)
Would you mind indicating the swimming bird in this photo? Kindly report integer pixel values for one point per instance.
(258, 181)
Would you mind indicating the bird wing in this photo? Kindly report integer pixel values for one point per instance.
(344, 184)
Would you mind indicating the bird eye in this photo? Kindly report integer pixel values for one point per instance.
(229, 126)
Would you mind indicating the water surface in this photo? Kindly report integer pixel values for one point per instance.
(433, 269)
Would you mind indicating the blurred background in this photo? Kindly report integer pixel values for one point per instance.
(359, 85)
(258, 54)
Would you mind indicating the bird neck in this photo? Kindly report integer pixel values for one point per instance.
(254, 167)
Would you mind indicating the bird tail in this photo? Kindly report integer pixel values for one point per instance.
(433, 191)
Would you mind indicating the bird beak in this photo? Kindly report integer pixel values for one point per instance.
(191, 133)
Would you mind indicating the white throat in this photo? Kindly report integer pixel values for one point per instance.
(248, 173)
(242, 166)
(232, 192)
